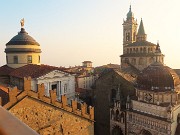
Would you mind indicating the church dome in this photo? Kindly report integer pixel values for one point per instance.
(158, 77)
(22, 38)
(22, 49)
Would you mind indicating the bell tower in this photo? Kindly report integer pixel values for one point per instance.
(129, 29)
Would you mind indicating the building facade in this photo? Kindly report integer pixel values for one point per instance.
(156, 108)
(86, 81)
(109, 85)
(137, 51)
(62, 82)
(53, 78)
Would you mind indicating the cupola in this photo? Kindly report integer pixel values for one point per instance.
(22, 49)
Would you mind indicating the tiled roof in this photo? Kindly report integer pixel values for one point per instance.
(5, 70)
(138, 55)
(141, 43)
(158, 77)
(34, 71)
(130, 69)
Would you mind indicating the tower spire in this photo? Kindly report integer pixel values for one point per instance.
(130, 14)
(130, 8)
(141, 35)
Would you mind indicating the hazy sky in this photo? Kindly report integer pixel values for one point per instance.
(71, 31)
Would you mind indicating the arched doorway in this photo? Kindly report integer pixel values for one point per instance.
(117, 131)
(145, 132)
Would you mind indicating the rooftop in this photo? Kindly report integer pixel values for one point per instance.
(34, 71)
(22, 38)
(141, 43)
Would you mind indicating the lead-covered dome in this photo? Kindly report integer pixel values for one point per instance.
(158, 77)
(130, 14)
(22, 38)
(22, 49)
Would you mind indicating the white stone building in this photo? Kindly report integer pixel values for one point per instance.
(64, 83)
(52, 78)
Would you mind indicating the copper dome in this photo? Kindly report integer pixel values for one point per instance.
(158, 77)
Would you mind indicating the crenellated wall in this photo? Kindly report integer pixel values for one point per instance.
(47, 115)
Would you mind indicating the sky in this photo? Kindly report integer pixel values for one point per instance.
(73, 31)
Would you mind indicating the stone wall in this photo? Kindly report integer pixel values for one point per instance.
(47, 119)
(103, 94)
(47, 115)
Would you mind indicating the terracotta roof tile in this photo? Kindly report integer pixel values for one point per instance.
(5, 70)
(34, 71)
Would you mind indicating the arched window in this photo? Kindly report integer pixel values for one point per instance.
(126, 60)
(151, 49)
(128, 50)
(15, 59)
(122, 117)
(113, 96)
(141, 50)
(127, 36)
(162, 60)
(136, 50)
(151, 60)
(141, 61)
(144, 49)
(133, 61)
(117, 115)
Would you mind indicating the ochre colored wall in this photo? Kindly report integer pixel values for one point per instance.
(47, 119)
(22, 59)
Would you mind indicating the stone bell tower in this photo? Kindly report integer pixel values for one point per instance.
(129, 29)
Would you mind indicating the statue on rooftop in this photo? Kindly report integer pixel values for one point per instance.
(22, 23)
